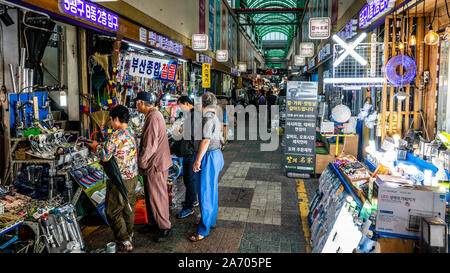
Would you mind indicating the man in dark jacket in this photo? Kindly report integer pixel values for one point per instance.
(187, 151)
(154, 161)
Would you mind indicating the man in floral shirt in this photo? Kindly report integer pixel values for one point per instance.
(121, 145)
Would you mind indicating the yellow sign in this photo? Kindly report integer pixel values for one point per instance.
(206, 75)
(240, 82)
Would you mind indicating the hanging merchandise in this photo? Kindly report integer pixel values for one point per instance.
(341, 113)
(394, 66)
(432, 38)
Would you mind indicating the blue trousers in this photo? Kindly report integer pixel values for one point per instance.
(207, 182)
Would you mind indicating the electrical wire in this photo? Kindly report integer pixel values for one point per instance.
(434, 13)
(446, 7)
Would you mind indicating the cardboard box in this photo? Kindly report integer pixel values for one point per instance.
(401, 206)
(383, 178)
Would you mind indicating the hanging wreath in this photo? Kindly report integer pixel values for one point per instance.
(394, 67)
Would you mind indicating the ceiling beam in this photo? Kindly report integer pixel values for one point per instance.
(269, 10)
(269, 24)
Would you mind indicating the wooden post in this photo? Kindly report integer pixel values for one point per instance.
(391, 96)
(83, 78)
(432, 87)
(407, 117)
(419, 56)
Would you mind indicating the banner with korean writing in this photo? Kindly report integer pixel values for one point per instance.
(206, 75)
(153, 68)
(300, 130)
(211, 25)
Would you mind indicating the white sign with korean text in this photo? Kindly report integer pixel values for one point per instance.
(200, 42)
(222, 56)
(153, 68)
(306, 50)
(319, 28)
(299, 60)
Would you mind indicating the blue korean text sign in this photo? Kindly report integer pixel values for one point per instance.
(153, 68)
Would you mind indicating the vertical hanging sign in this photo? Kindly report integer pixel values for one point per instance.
(211, 25)
(218, 10)
(206, 75)
(224, 27)
(201, 16)
(229, 33)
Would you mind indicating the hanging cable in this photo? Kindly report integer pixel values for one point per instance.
(434, 13)
(446, 7)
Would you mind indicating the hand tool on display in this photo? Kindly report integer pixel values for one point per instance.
(46, 229)
(63, 227)
(93, 171)
(86, 175)
(77, 230)
(52, 232)
(79, 175)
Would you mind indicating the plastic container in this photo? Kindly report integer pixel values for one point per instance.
(140, 215)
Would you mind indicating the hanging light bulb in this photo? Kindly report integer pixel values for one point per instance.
(412, 40)
(63, 98)
(401, 46)
(432, 38)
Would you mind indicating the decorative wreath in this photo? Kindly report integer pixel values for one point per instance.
(393, 70)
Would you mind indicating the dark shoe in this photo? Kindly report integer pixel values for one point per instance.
(124, 247)
(148, 229)
(184, 213)
(163, 234)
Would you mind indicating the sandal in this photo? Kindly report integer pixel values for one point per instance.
(195, 237)
(125, 247)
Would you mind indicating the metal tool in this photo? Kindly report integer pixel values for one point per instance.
(60, 224)
(46, 230)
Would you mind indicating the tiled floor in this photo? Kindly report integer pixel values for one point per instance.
(259, 210)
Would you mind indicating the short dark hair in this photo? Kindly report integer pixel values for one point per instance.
(184, 99)
(120, 112)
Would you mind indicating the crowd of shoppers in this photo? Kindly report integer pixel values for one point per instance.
(202, 163)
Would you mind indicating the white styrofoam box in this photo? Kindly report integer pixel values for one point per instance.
(99, 196)
(401, 207)
(349, 129)
(2, 208)
(327, 127)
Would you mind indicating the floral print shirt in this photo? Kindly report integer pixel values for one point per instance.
(122, 145)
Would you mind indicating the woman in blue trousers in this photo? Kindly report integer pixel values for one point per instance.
(207, 166)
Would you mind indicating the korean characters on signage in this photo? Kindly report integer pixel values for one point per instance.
(148, 67)
(90, 12)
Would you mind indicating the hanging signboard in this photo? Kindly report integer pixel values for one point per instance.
(206, 75)
(90, 12)
(200, 58)
(324, 52)
(153, 68)
(319, 28)
(164, 43)
(211, 25)
(374, 10)
(300, 136)
(299, 60)
(222, 55)
(306, 50)
(242, 67)
(200, 42)
(239, 82)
